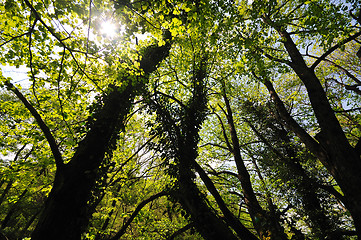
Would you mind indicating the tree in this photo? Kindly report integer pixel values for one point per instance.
(290, 169)
(164, 129)
(331, 145)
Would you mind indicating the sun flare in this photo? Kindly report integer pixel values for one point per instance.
(108, 29)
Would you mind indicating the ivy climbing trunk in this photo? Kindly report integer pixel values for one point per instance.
(66, 213)
(179, 138)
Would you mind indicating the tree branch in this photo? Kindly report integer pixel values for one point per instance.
(338, 66)
(229, 146)
(136, 211)
(332, 49)
(49, 137)
(180, 231)
(13, 38)
(237, 226)
(61, 41)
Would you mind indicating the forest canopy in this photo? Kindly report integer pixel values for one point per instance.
(206, 119)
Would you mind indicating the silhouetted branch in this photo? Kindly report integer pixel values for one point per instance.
(332, 49)
(180, 231)
(136, 211)
(45, 129)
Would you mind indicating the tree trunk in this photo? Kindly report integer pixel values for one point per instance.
(321, 225)
(205, 220)
(342, 160)
(265, 223)
(66, 212)
(182, 139)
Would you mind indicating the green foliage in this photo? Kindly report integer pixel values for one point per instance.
(217, 46)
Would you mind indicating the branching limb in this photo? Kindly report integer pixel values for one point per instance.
(180, 231)
(171, 97)
(347, 110)
(291, 123)
(237, 226)
(332, 49)
(229, 146)
(13, 38)
(331, 190)
(45, 129)
(350, 75)
(277, 59)
(61, 41)
(136, 211)
(214, 145)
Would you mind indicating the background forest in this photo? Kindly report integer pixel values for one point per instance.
(205, 119)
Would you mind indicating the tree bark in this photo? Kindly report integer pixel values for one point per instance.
(66, 212)
(342, 160)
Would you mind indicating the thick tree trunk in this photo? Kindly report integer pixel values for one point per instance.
(341, 160)
(9, 184)
(66, 213)
(206, 221)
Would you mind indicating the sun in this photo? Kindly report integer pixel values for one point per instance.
(109, 29)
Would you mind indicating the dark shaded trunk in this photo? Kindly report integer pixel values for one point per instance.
(230, 219)
(28, 224)
(66, 213)
(9, 184)
(205, 220)
(180, 231)
(342, 160)
(13, 210)
(15, 206)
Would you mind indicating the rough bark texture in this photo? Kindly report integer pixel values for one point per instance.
(66, 212)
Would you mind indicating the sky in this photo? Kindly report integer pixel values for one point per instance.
(18, 75)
